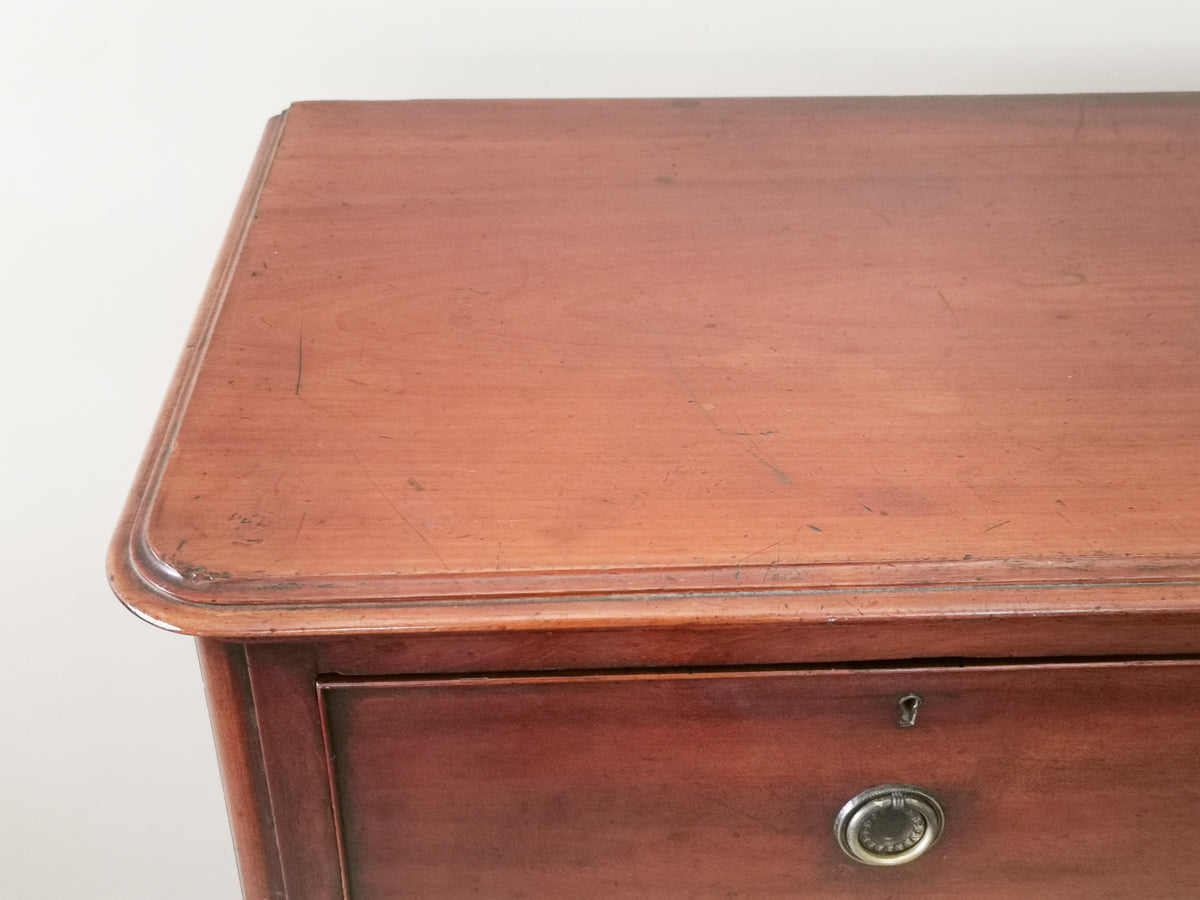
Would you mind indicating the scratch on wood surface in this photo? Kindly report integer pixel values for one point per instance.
(403, 518)
(889, 222)
(749, 448)
(946, 303)
(624, 509)
(299, 361)
(997, 525)
(750, 556)
(737, 810)
(766, 461)
(202, 573)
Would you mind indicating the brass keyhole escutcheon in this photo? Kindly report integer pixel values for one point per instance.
(909, 704)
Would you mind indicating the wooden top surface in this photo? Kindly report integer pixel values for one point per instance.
(592, 349)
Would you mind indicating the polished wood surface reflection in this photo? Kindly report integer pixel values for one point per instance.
(544, 349)
(726, 784)
(563, 493)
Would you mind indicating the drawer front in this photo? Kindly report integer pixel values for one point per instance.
(1063, 780)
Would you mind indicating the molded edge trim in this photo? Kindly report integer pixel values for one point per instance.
(263, 607)
(129, 550)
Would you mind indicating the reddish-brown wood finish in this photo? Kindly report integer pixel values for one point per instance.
(282, 682)
(564, 492)
(727, 784)
(235, 728)
(730, 361)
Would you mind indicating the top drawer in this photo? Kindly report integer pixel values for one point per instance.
(1057, 780)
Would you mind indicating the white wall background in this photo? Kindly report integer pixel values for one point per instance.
(125, 133)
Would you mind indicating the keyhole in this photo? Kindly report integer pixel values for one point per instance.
(908, 710)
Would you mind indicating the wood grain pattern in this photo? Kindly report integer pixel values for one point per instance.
(137, 578)
(283, 683)
(862, 639)
(492, 408)
(1057, 781)
(603, 351)
(235, 728)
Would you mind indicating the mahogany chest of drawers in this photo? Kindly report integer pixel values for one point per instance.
(724, 498)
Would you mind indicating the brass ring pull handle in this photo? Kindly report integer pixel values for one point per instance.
(889, 825)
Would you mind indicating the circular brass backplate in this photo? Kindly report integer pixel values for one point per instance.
(889, 825)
